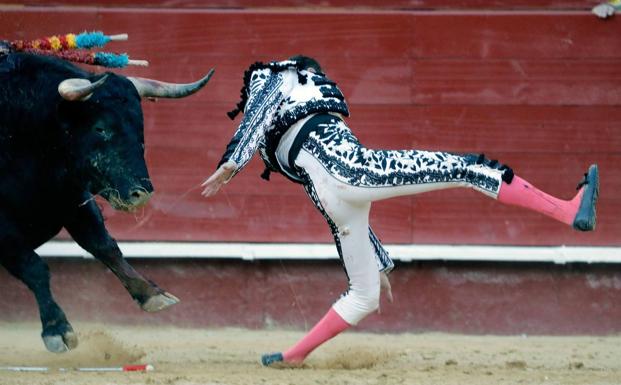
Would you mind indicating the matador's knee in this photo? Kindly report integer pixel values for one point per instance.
(507, 172)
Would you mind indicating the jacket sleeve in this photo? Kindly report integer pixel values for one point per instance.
(261, 107)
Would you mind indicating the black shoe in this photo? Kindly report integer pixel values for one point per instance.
(271, 358)
(585, 218)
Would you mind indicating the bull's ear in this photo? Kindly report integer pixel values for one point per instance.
(76, 89)
(149, 88)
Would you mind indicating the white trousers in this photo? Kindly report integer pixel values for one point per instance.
(343, 178)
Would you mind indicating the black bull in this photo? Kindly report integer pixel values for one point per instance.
(65, 136)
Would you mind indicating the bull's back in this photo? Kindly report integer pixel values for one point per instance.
(32, 172)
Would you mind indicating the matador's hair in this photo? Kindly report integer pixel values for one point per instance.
(307, 62)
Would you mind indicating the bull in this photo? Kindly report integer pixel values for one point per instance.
(67, 135)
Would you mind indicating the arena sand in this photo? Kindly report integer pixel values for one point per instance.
(231, 357)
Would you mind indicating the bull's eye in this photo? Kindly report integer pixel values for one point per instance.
(103, 132)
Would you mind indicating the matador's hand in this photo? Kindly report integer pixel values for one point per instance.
(222, 175)
(385, 287)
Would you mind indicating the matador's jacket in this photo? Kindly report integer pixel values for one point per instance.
(274, 96)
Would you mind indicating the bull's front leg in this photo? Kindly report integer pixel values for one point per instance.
(87, 228)
(23, 263)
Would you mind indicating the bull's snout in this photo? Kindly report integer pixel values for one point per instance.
(139, 196)
(129, 198)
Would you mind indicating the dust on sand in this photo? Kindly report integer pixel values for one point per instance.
(231, 357)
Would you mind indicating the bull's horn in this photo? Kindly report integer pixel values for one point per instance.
(149, 88)
(77, 89)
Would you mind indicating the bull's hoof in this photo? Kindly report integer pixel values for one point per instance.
(159, 302)
(61, 343)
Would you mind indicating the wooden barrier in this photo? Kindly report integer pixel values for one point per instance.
(537, 90)
(331, 4)
(479, 298)
(535, 84)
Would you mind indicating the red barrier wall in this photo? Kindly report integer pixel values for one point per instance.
(537, 90)
(479, 298)
(305, 5)
(534, 84)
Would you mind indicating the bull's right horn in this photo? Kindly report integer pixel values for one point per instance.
(76, 89)
(149, 88)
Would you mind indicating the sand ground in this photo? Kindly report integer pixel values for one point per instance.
(231, 357)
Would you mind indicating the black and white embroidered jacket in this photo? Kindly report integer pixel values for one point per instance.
(275, 96)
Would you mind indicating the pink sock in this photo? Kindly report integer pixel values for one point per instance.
(523, 194)
(330, 325)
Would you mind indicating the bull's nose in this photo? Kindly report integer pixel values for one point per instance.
(139, 196)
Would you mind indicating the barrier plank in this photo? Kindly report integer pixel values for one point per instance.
(306, 5)
(536, 89)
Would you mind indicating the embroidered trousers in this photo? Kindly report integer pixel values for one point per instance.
(343, 178)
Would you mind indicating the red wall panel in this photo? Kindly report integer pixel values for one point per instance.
(537, 90)
(327, 4)
(476, 298)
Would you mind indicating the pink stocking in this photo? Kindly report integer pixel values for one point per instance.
(329, 326)
(523, 194)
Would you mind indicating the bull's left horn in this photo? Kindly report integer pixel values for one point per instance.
(76, 89)
(149, 88)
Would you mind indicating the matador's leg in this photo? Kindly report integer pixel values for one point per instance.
(362, 175)
(349, 224)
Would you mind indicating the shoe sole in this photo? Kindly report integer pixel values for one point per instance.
(277, 361)
(272, 359)
(586, 217)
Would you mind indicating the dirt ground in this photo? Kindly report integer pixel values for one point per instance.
(231, 357)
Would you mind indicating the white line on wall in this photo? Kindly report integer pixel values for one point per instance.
(315, 251)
